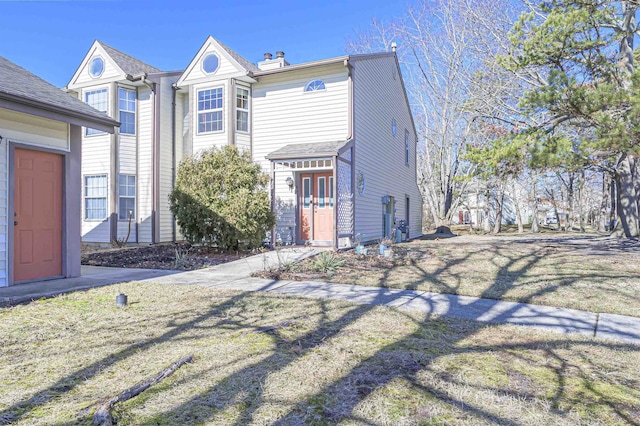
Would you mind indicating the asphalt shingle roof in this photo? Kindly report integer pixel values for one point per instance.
(18, 83)
(127, 63)
(242, 61)
(307, 150)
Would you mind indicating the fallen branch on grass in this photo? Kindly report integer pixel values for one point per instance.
(269, 328)
(103, 416)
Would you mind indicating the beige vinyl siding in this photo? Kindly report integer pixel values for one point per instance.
(111, 71)
(284, 114)
(127, 151)
(207, 140)
(180, 140)
(33, 130)
(380, 156)
(285, 210)
(166, 157)
(243, 141)
(183, 124)
(4, 220)
(145, 170)
(96, 160)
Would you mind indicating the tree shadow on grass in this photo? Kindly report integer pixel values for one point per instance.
(405, 359)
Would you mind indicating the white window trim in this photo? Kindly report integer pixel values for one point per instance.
(407, 148)
(104, 66)
(84, 197)
(135, 111)
(84, 97)
(202, 62)
(247, 110)
(306, 86)
(198, 112)
(135, 190)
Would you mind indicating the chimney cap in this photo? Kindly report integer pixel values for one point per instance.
(280, 54)
(394, 46)
(267, 56)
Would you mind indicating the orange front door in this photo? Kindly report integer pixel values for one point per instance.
(37, 238)
(316, 207)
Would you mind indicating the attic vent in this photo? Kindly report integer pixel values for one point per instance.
(210, 63)
(96, 67)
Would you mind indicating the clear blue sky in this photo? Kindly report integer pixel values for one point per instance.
(50, 38)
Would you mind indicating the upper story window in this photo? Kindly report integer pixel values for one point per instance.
(407, 147)
(242, 109)
(210, 63)
(314, 86)
(127, 111)
(210, 110)
(99, 99)
(96, 67)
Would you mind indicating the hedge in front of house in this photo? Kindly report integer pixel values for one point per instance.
(220, 199)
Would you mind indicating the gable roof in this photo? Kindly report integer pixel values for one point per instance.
(128, 63)
(229, 54)
(307, 150)
(19, 86)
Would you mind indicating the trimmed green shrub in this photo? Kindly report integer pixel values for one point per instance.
(220, 199)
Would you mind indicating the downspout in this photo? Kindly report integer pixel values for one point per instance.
(273, 203)
(174, 92)
(114, 169)
(154, 160)
(351, 136)
(231, 117)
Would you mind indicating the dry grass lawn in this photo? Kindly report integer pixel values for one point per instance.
(587, 272)
(270, 359)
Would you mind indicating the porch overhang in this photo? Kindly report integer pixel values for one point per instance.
(305, 151)
(335, 157)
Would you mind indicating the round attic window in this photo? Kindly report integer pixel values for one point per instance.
(96, 67)
(210, 63)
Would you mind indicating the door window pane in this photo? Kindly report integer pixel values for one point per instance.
(306, 183)
(322, 192)
(331, 191)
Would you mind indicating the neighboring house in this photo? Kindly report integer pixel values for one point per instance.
(40, 161)
(477, 205)
(336, 136)
(126, 176)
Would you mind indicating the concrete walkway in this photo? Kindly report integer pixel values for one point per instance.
(236, 276)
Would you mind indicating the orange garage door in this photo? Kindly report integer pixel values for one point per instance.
(38, 215)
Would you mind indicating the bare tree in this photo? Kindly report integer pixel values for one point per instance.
(445, 49)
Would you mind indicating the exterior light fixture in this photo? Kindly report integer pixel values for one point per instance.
(121, 300)
(289, 181)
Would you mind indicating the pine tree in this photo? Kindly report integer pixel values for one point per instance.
(588, 111)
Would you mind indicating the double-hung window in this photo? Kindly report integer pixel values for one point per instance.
(210, 110)
(95, 197)
(242, 109)
(126, 197)
(407, 147)
(127, 111)
(99, 99)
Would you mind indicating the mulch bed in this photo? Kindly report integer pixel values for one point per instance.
(306, 270)
(162, 256)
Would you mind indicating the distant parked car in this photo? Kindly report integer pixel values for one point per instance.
(552, 221)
